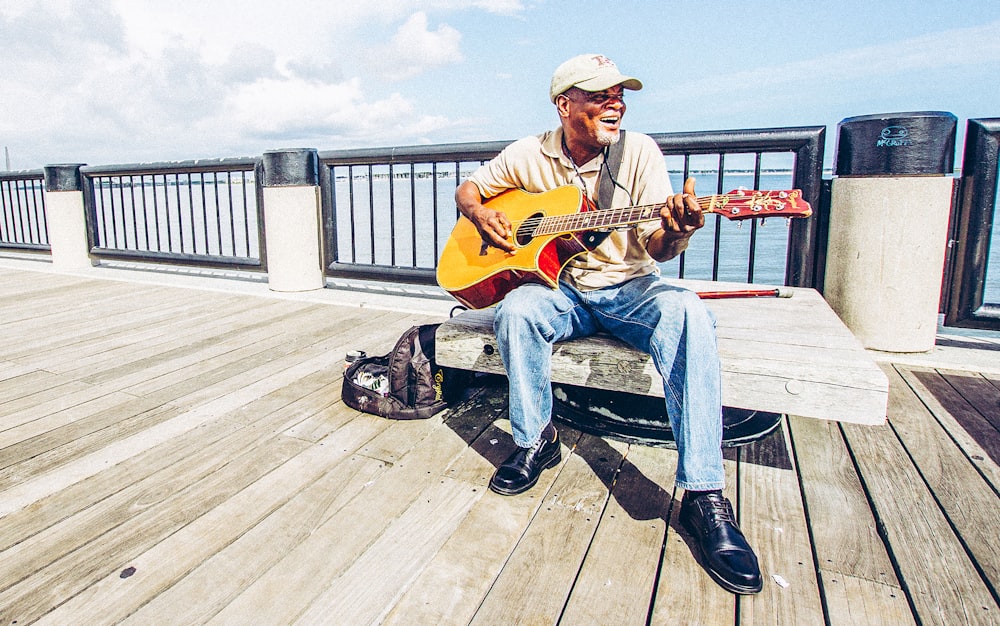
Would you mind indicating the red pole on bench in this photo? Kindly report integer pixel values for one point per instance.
(746, 293)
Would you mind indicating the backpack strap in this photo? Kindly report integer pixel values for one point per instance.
(613, 161)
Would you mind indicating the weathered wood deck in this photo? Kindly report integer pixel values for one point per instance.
(174, 455)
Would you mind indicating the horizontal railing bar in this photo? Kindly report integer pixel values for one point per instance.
(23, 175)
(172, 167)
(180, 258)
(731, 141)
(988, 311)
(416, 275)
(38, 247)
(474, 151)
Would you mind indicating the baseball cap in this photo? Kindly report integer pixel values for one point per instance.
(590, 72)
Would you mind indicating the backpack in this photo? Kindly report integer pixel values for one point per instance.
(404, 384)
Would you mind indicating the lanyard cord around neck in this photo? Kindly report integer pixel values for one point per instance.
(612, 161)
(572, 162)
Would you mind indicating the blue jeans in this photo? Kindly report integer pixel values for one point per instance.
(669, 323)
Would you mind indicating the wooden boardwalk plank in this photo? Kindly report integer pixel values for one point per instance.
(243, 427)
(208, 588)
(24, 493)
(685, 593)
(981, 391)
(367, 589)
(858, 581)
(453, 585)
(199, 438)
(941, 582)
(167, 561)
(287, 589)
(965, 424)
(537, 579)
(618, 576)
(85, 565)
(773, 519)
(969, 502)
(844, 533)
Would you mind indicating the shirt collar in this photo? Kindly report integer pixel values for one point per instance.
(552, 148)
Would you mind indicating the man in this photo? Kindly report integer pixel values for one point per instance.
(614, 288)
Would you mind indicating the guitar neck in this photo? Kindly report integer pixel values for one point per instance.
(615, 218)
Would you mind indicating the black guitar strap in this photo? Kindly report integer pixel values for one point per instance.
(606, 188)
(609, 173)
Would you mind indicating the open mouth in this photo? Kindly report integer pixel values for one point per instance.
(610, 120)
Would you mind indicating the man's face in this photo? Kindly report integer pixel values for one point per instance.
(596, 115)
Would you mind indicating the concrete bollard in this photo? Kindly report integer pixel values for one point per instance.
(66, 218)
(890, 203)
(292, 209)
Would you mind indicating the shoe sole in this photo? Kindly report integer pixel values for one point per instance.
(719, 580)
(555, 460)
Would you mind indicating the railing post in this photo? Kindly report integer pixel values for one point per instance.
(66, 217)
(888, 227)
(292, 231)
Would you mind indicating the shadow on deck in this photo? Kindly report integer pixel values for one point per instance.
(171, 455)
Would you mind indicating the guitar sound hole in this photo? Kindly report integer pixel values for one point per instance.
(526, 231)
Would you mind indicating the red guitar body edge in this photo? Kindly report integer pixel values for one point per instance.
(551, 260)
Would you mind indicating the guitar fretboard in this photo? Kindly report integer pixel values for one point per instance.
(610, 218)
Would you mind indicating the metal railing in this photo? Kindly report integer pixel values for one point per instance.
(972, 225)
(389, 211)
(22, 211)
(192, 212)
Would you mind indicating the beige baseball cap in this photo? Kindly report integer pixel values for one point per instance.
(590, 72)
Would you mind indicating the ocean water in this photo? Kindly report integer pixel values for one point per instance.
(179, 214)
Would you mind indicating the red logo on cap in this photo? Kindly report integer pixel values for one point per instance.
(602, 60)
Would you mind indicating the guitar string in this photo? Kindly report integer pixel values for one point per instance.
(562, 222)
(555, 221)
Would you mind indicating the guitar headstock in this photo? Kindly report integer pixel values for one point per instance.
(741, 204)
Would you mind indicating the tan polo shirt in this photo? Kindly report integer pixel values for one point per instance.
(538, 164)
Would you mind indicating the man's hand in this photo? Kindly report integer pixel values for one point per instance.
(679, 219)
(493, 225)
(683, 215)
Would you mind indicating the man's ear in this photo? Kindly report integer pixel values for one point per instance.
(562, 105)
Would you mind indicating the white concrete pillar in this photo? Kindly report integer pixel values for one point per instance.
(889, 227)
(292, 220)
(886, 258)
(66, 218)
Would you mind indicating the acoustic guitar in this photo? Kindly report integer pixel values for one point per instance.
(552, 227)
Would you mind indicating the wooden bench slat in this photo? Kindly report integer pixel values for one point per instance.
(783, 355)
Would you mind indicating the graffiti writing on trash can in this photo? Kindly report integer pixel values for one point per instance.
(892, 136)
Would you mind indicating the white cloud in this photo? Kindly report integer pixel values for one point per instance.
(414, 48)
(113, 81)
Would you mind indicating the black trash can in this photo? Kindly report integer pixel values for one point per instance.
(896, 144)
(889, 206)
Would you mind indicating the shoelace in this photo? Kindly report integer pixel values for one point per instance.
(719, 511)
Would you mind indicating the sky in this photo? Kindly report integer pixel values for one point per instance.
(127, 81)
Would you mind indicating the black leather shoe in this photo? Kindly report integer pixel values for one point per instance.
(729, 559)
(521, 470)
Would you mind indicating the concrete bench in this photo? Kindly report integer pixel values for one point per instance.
(782, 355)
